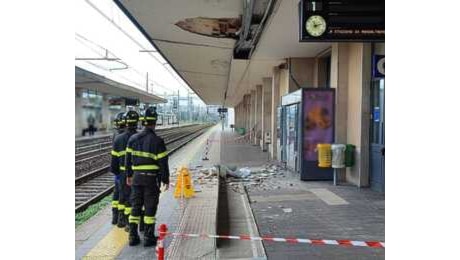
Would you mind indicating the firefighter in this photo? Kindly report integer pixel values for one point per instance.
(146, 168)
(120, 128)
(120, 124)
(118, 166)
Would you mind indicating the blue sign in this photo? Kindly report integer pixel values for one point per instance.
(376, 114)
(378, 66)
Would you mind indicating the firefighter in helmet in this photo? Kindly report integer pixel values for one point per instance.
(146, 168)
(118, 166)
(120, 125)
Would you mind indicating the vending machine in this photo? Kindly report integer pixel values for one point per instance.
(291, 127)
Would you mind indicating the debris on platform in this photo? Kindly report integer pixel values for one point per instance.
(243, 173)
(253, 177)
(206, 176)
(287, 210)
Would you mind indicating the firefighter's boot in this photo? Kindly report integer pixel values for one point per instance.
(127, 226)
(121, 219)
(114, 216)
(149, 235)
(134, 239)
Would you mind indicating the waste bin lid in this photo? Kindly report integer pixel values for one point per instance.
(337, 146)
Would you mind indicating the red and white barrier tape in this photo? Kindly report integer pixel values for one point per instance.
(374, 244)
(206, 150)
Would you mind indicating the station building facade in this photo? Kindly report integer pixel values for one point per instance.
(350, 69)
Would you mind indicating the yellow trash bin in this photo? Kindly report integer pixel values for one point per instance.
(324, 155)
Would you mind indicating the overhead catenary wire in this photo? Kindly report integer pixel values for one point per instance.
(83, 40)
(134, 40)
(105, 55)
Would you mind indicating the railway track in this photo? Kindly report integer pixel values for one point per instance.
(95, 184)
(99, 154)
(91, 146)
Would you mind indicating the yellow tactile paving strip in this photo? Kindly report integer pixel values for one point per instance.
(110, 246)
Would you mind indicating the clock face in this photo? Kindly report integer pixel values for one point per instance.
(316, 25)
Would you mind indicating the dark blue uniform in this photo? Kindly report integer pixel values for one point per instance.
(147, 163)
(118, 168)
(116, 188)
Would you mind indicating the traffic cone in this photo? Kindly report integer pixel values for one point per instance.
(184, 184)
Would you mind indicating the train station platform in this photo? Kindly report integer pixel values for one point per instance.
(98, 239)
(286, 207)
(271, 202)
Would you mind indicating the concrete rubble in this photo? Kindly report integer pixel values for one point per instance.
(201, 176)
(266, 177)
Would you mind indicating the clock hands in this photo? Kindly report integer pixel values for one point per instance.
(315, 25)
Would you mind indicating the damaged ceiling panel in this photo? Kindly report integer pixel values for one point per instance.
(213, 27)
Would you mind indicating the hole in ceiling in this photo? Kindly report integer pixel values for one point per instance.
(212, 27)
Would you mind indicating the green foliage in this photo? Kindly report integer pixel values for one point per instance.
(83, 216)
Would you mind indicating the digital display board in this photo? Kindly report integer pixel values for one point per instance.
(346, 20)
(131, 101)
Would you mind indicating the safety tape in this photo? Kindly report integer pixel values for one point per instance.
(373, 244)
(206, 150)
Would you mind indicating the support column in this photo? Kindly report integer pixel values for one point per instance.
(266, 112)
(242, 114)
(258, 117)
(284, 82)
(350, 75)
(252, 121)
(339, 81)
(247, 112)
(275, 100)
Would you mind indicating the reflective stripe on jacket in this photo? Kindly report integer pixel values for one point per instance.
(118, 152)
(146, 152)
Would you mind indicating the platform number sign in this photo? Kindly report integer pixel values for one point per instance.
(344, 20)
(378, 66)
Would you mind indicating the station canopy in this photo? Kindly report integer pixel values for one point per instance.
(85, 79)
(198, 40)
